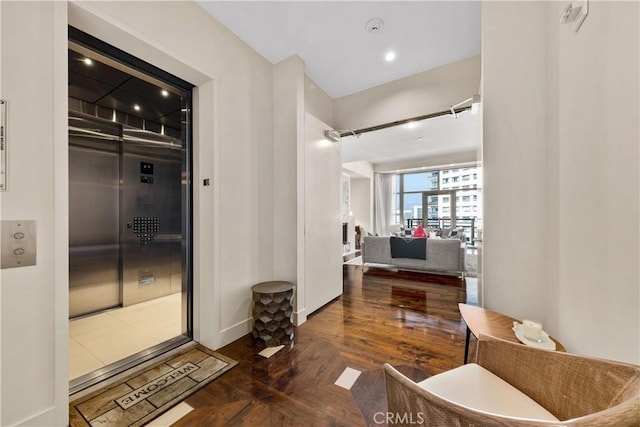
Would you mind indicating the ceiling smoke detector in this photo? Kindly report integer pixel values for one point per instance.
(374, 25)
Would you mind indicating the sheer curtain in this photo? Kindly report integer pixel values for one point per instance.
(383, 193)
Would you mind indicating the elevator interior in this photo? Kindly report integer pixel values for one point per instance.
(125, 239)
(129, 188)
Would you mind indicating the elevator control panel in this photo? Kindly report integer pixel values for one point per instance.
(18, 243)
(146, 228)
(146, 173)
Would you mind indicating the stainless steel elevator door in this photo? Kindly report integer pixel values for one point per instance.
(126, 208)
(94, 243)
(152, 216)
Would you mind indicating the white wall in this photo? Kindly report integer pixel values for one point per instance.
(317, 102)
(361, 192)
(306, 203)
(561, 172)
(362, 202)
(599, 179)
(515, 162)
(359, 169)
(34, 310)
(322, 226)
(423, 93)
(288, 131)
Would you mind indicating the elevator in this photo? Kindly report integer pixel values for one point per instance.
(125, 215)
(130, 211)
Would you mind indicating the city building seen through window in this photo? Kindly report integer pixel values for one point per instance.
(444, 198)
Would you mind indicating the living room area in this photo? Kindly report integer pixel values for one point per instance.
(416, 184)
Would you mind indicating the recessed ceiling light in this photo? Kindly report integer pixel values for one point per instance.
(164, 92)
(412, 125)
(390, 56)
(419, 138)
(136, 107)
(87, 61)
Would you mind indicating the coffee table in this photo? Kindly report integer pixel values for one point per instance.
(487, 322)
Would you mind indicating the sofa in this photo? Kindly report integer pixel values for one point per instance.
(443, 256)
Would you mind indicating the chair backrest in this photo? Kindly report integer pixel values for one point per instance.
(410, 405)
(580, 390)
(568, 385)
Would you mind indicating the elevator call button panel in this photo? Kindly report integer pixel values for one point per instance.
(146, 228)
(18, 243)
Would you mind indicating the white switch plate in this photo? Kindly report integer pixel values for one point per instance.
(576, 11)
(18, 244)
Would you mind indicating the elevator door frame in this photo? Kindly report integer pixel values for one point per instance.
(140, 67)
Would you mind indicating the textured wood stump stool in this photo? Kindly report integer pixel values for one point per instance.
(272, 308)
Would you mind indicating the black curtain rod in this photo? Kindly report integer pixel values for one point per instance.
(401, 122)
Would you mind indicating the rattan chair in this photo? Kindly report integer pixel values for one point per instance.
(578, 390)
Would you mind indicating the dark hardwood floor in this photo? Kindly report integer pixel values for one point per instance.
(413, 325)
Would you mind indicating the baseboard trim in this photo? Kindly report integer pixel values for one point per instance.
(300, 317)
(43, 418)
(235, 332)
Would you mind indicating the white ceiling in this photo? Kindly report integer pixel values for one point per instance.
(342, 57)
(440, 135)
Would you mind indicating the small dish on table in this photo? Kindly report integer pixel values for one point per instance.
(544, 342)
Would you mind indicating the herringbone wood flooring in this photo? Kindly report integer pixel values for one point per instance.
(414, 325)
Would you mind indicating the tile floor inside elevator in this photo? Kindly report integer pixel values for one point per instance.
(99, 340)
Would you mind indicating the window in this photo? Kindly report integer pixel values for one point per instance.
(408, 189)
(412, 206)
(421, 181)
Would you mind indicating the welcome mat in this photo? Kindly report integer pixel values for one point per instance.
(143, 396)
